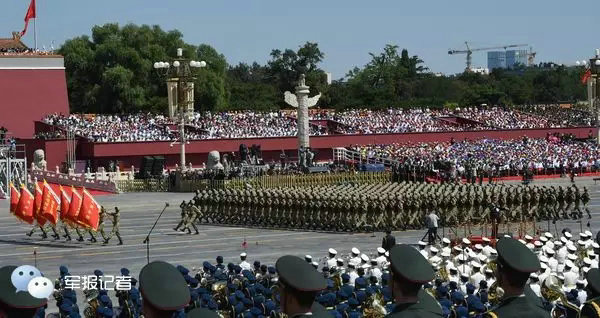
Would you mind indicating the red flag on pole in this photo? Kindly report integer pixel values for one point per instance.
(24, 210)
(50, 203)
(586, 76)
(64, 204)
(74, 206)
(14, 198)
(37, 205)
(29, 15)
(89, 216)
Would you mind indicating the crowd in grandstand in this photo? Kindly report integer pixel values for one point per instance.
(249, 124)
(506, 156)
(357, 283)
(572, 116)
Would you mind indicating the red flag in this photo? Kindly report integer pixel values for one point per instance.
(244, 244)
(37, 205)
(14, 198)
(24, 210)
(50, 203)
(74, 206)
(89, 216)
(64, 204)
(586, 76)
(29, 15)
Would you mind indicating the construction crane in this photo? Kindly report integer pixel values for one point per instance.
(469, 51)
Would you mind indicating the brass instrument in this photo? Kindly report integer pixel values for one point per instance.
(495, 293)
(443, 273)
(337, 280)
(373, 307)
(550, 289)
(219, 290)
(91, 297)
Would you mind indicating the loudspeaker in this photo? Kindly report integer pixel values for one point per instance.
(157, 166)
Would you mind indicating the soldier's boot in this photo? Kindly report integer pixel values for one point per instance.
(119, 237)
(44, 235)
(80, 238)
(195, 228)
(106, 240)
(188, 230)
(92, 238)
(68, 237)
(56, 236)
(30, 232)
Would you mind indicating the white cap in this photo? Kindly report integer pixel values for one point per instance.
(364, 257)
(572, 248)
(568, 235)
(446, 240)
(580, 282)
(548, 235)
(494, 252)
(572, 257)
(558, 243)
(485, 239)
(586, 269)
(466, 241)
(457, 248)
(534, 275)
(433, 249)
(528, 237)
(564, 240)
(365, 266)
(543, 239)
(580, 242)
(582, 235)
(482, 258)
(475, 264)
(522, 241)
(591, 254)
(308, 257)
(478, 246)
(355, 251)
(560, 276)
(243, 254)
(549, 251)
(387, 254)
(464, 275)
(543, 259)
(421, 243)
(380, 250)
(445, 254)
(530, 246)
(506, 236)
(588, 233)
(315, 264)
(538, 244)
(595, 245)
(587, 261)
(543, 266)
(332, 251)
(489, 271)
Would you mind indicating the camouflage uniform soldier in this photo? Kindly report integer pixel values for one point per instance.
(116, 221)
(193, 215)
(183, 216)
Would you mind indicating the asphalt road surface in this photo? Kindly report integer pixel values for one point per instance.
(139, 212)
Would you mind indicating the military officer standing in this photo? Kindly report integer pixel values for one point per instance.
(299, 284)
(591, 308)
(515, 264)
(409, 271)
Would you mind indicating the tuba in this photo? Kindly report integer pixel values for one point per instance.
(373, 307)
(551, 289)
(91, 297)
(219, 291)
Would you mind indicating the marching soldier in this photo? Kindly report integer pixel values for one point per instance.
(116, 221)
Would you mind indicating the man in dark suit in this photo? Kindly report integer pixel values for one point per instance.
(388, 241)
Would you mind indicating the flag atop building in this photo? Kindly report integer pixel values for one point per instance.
(29, 15)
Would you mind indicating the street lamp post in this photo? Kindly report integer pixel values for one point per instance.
(180, 84)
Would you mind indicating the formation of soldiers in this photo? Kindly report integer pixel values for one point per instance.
(381, 206)
(81, 231)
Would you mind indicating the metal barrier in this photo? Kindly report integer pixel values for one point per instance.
(351, 156)
(143, 185)
(13, 167)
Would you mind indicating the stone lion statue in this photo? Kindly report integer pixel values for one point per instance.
(214, 161)
(39, 161)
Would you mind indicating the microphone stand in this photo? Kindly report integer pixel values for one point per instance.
(147, 239)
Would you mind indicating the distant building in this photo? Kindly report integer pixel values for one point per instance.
(506, 59)
(480, 70)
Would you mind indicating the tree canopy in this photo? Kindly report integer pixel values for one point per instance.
(111, 72)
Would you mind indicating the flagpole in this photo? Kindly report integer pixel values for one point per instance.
(35, 33)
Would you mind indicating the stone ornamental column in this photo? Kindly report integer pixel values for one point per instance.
(302, 102)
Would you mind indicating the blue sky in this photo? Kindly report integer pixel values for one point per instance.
(346, 31)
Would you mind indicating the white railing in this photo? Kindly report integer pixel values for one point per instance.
(352, 156)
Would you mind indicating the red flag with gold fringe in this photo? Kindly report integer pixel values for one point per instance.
(64, 204)
(74, 206)
(89, 216)
(50, 203)
(37, 205)
(14, 198)
(24, 210)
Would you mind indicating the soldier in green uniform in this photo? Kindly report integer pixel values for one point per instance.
(409, 270)
(116, 224)
(298, 285)
(116, 221)
(591, 308)
(183, 216)
(515, 263)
